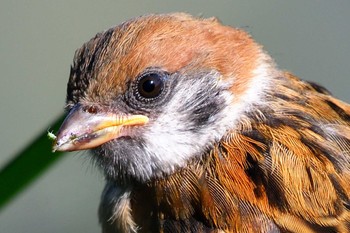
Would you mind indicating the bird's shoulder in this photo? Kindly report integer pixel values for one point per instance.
(297, 150)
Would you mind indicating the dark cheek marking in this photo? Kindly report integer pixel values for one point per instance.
(201, 115)
(206, 107)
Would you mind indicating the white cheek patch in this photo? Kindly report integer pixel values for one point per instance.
(172, 139)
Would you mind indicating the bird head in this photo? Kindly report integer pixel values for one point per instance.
(158, 91)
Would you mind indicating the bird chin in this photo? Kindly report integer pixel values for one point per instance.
(127, 160)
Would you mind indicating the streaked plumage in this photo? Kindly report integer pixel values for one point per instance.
(227, 143)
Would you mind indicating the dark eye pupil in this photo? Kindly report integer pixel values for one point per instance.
(150, 85)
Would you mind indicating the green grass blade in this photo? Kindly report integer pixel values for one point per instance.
(27, 165)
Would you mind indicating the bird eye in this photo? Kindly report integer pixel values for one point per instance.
(150, 85)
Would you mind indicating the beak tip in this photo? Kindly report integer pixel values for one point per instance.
(64, 146)
(54, 149)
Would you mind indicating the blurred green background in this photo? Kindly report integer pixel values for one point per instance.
(37, 42)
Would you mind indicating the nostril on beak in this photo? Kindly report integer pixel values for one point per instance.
(92, 109)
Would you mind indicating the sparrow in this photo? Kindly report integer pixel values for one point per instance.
(197, 130)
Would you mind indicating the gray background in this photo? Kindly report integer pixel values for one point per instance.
(37, 42)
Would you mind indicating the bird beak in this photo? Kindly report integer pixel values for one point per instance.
(88, 129)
